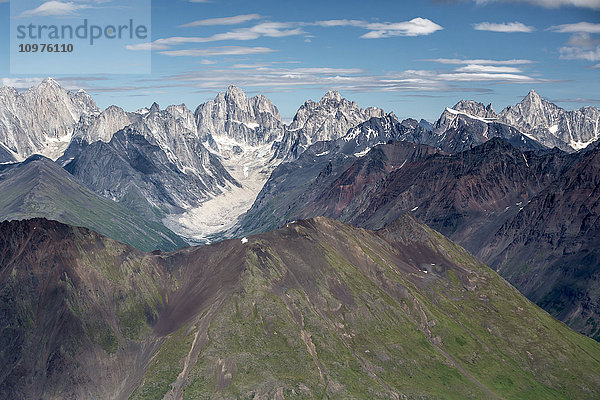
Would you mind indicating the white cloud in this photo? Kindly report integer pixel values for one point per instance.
(218, 51)
(341, 22)
(21, 83)
(477, 68)
(580, 27)
(593, 4)
(55, 8)
(276, 78)
(578, 53)
(147, 46)
(488, 77)
(505, 27)
(457, 61)
(266, 29)
(414, 27)
(238, 19)
(581, 46)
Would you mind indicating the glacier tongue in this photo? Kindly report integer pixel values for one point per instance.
(251, 166)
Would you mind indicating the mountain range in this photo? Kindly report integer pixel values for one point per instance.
(322, 279)
(197, 172)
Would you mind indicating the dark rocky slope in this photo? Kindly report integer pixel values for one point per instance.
(551, 249)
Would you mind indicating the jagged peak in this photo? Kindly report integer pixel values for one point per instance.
(235, 92)
(48, 84)
(113, 108)
(463, 103)
(178, 107)
(155, 107)
(532, 97)
(475, 108)
(49, 81)
(332, 95)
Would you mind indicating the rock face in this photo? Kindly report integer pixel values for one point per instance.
(534, 120)
(6, 156)
(553, 126)
(329, 119)
(294, 184)
(103, 126)
(42, 119)
(156, 165)
(140, 174)
(316, 308)
(40, 188)
(476, 109)
(253, 122)
(174, 131)
(360, 139)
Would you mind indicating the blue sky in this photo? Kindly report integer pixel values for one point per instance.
(412, 58)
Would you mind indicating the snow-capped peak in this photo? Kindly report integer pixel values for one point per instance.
(332, 95)
(49, 82)
(42, 119)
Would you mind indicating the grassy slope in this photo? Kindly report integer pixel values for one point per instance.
(42, 189)
(332, 311)
(76, 310)
(317, 309)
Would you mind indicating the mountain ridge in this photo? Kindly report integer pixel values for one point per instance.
(348, 312)
(38, 187)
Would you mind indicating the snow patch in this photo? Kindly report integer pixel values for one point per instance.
(456, 112)
(553, 129)
(577, 145)
(362, 153)
(415, 209)
(244, 240)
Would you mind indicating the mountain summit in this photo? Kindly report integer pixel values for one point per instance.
(42, 119)
(551, 125)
